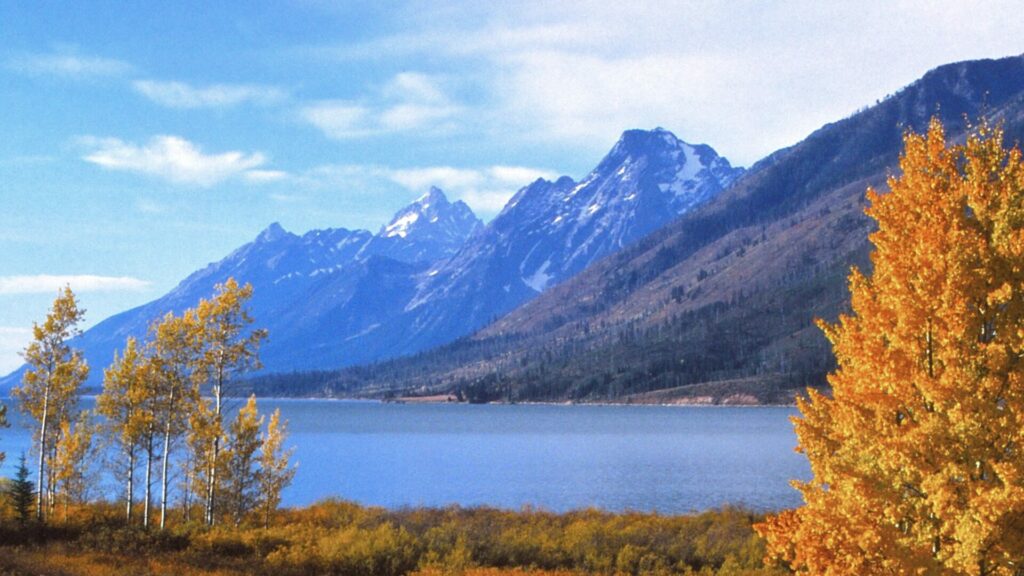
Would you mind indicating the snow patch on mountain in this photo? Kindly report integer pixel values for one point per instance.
(400, 226)
(538, 281)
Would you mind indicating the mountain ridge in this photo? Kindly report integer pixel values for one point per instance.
(718, 305)
(435, 272)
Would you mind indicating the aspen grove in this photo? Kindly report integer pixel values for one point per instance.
(161, 415)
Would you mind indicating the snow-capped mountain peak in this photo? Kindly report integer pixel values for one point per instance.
(429, 228)
(550, 231)
(432, 211)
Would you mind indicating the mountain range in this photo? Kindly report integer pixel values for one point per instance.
(664, 275)
(718, 305)
(434, 273)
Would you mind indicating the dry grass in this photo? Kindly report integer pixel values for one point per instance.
(345, 539)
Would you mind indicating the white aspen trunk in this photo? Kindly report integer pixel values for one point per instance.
(163, 475)
(42, 454)
(149, 480)
(211, 476)
(131, 485)
(51, 490)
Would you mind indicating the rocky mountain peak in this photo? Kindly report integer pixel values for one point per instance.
(272, 233)
(432, 215)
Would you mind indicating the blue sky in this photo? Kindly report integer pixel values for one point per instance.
(144, 140)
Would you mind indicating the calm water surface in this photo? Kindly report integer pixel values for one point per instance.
(668, 459)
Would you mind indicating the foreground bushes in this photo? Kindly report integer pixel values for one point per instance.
(341, 538)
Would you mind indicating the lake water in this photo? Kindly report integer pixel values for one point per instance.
(668, 459)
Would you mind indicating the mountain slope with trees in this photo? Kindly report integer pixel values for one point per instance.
(719, 305)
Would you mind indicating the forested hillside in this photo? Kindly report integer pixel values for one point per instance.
(719, 305)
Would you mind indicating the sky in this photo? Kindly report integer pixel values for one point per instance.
(140, 141)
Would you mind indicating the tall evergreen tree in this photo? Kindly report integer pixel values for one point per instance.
(49, 388)
(22, 491)
(918, 454)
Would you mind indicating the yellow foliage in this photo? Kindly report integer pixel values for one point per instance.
(916, 455)
(49, 388)
(334, 537)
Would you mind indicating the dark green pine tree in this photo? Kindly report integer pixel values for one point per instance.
(22, 492)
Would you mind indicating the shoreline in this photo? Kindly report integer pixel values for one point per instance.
(433, 400)
(420, 401)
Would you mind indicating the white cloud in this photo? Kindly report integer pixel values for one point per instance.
(518, 175)
(406, 117)
(264, 176)
(747, 77)
(445, 177)
(486, 190)
(407, 102)
(12, 341)
(175, 159)
(486, 202)
(415, 87)
(68, 65)
(80, 283)
(181, 95)
(338, 119)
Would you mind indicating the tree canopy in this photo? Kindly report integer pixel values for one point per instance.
(917, 453)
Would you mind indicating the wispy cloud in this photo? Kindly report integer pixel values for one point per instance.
(176, 159)
(264, 176)
(485, 189)
(747, 77)
(408, 102)
(51, 283)
(182, 95)
(445, 177)
(339, 119)
(68, 65)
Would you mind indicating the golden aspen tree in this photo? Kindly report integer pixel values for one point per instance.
(71, 464)
(274, 472)
(173, 352)
(241, 481)
(227, 349)
(124, 405)
(49, 388)
(145, 424)
(918, 454)
(201, 430)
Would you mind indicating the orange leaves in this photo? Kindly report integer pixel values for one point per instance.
(917, 454)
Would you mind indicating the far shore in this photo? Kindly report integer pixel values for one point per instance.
(692, 402)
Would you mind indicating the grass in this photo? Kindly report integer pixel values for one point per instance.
(342, 538)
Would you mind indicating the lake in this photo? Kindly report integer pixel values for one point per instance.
(556, 457)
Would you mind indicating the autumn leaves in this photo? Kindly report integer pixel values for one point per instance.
(163, 410)
(917, 454)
